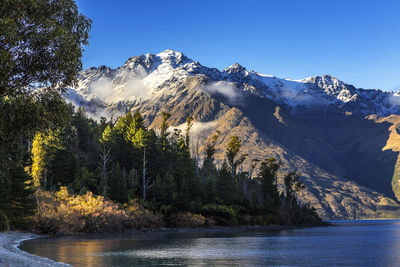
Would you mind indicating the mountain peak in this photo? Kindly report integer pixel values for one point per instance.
(170, 53)
(235, 68)
(172, 56)
(325, 79)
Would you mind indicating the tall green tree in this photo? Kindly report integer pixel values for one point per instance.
(209, 171)
(105, 158)
(269, 181)
(41, 45)
(164, 130)
(22, 200)
(226, 184)
(136, 134)
(165, 189)
(292, 187)
(118, 186)
(232, 154)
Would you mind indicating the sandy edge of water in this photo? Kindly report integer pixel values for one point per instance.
(11, 255)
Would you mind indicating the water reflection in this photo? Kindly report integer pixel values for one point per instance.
(351, 244)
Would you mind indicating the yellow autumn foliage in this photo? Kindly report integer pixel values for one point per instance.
(64, 212)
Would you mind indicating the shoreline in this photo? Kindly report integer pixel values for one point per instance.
(214, 229)
(222, 229)
(11, 255)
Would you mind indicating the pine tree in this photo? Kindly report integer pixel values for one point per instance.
(225, 184)
(105, 158)
(186, 170)
(232, 151)
(268, 177)
(209, 172)
(5, 190)
(164, 130)
(118, 186)
(22, 200)
(292, 187)
(165, 189)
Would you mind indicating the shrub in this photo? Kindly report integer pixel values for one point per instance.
(262, 220)
(4, 225)
(65, 212)
(141, 217)
(244, 219)
(223, 215)
(189, 220)
(210, 222)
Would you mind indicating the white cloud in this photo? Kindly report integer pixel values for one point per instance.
(199, 130)
(394, 99)
(198, 133)
(101, 88)
(125, 86)
(227, 89)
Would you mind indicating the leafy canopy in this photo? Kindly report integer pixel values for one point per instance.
(40, 44)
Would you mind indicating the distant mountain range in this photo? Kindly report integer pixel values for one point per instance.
(343, 140)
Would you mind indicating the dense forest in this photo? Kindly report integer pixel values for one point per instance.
(129, 164)
(63, 171)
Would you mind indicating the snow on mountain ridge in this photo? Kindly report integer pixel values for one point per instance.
(145, 76)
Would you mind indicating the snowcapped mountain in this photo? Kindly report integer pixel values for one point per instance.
(337, 136)
(145, 77)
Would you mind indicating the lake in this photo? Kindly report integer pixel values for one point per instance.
(349, 243)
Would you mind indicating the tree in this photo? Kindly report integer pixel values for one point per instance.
(165, 189)
(105, 158)
(164, 130)
(189, 124)
(118, 185)
(209, 171)
(232, 151)
(41, 45)
(22, 201)
(186, 174)
(226, 186)
(268, 177)
(5, 190)
(208, 162)
(44, 151)
(136, 134)
(292, 187)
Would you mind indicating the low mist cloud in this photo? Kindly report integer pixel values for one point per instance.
(134, 88)
(227, 89)
(125, 86)
(394, 98)
(199, 130)
(198, 134)
(101, 88)
(130, 84)
(93, 107)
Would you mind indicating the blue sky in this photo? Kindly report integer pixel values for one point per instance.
(356, 41)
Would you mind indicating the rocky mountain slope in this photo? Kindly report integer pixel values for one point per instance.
(343, 140)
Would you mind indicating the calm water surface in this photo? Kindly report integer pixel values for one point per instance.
(350, 243)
